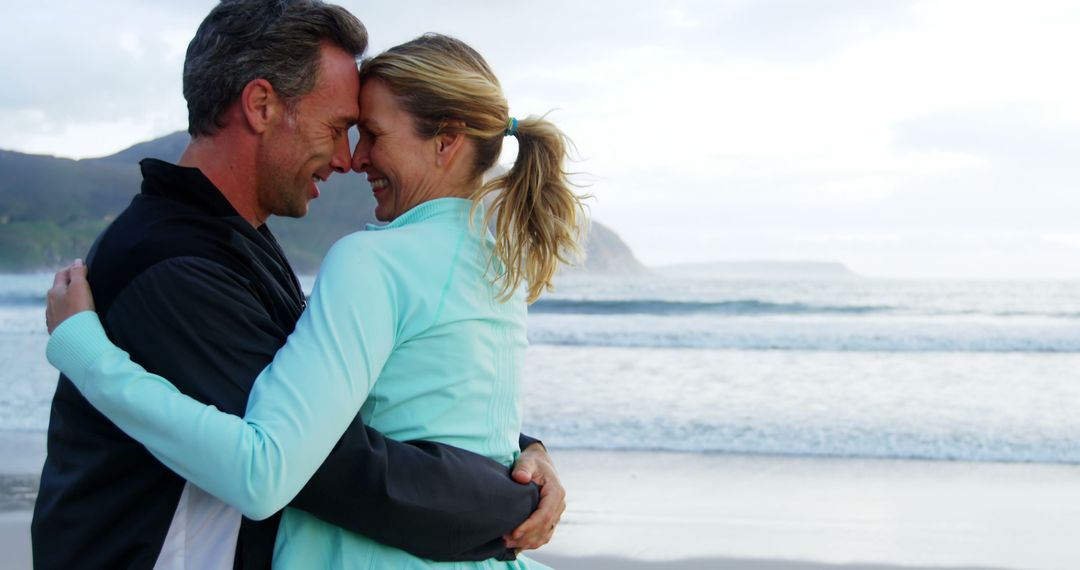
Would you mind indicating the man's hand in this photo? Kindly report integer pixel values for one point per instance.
(70, 294)
(535, 465)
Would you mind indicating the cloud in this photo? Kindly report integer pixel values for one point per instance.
(79, 78)
(1013, 136)
(791, 31)
(1027, 168)
(1070, 240)
(569, 31)
(710, 127)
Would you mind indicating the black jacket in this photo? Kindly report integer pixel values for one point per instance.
(197, 295)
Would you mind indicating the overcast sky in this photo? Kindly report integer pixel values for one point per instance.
(906, 139)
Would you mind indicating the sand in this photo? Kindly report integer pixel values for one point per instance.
(665, 510)
(610, 563)
(659, 507)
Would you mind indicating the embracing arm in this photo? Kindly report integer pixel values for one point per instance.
(297, 410)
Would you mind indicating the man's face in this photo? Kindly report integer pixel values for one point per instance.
(310, 141)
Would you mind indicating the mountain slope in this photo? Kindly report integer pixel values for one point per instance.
(51, 209)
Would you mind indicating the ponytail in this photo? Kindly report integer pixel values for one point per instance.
(539, 220)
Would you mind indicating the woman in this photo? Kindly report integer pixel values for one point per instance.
(427, 311)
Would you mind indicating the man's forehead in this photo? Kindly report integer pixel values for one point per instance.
(331, 107)
(348, 119)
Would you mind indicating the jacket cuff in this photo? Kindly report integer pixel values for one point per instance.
(525, 441)
(77, 344)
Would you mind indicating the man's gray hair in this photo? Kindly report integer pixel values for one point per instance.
(277, 40)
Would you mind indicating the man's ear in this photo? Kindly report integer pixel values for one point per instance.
(259, 104)
(449, 145)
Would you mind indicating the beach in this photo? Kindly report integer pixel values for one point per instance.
(752, 425)
(683, 510)
(717, 511)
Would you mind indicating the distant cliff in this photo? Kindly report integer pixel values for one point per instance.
(51, 209)
(605, 252)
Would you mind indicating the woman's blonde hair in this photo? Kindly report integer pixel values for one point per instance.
(447, 87)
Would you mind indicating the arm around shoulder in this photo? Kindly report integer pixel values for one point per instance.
(297, 410)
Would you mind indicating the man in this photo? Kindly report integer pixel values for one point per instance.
(192, 284)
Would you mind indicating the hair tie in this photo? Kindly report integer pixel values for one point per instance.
(511, 128)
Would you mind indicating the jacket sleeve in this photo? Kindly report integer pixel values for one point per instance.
(299, 407)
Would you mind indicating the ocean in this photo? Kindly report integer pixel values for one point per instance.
(907, 369)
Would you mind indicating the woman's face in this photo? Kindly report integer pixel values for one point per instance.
(400, 165)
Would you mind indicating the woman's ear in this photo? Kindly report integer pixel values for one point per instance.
(449, 144)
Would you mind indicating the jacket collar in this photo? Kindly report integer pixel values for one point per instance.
(184, 184)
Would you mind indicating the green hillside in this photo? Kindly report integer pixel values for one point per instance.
(51, 209)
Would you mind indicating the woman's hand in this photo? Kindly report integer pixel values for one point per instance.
(70, 294)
